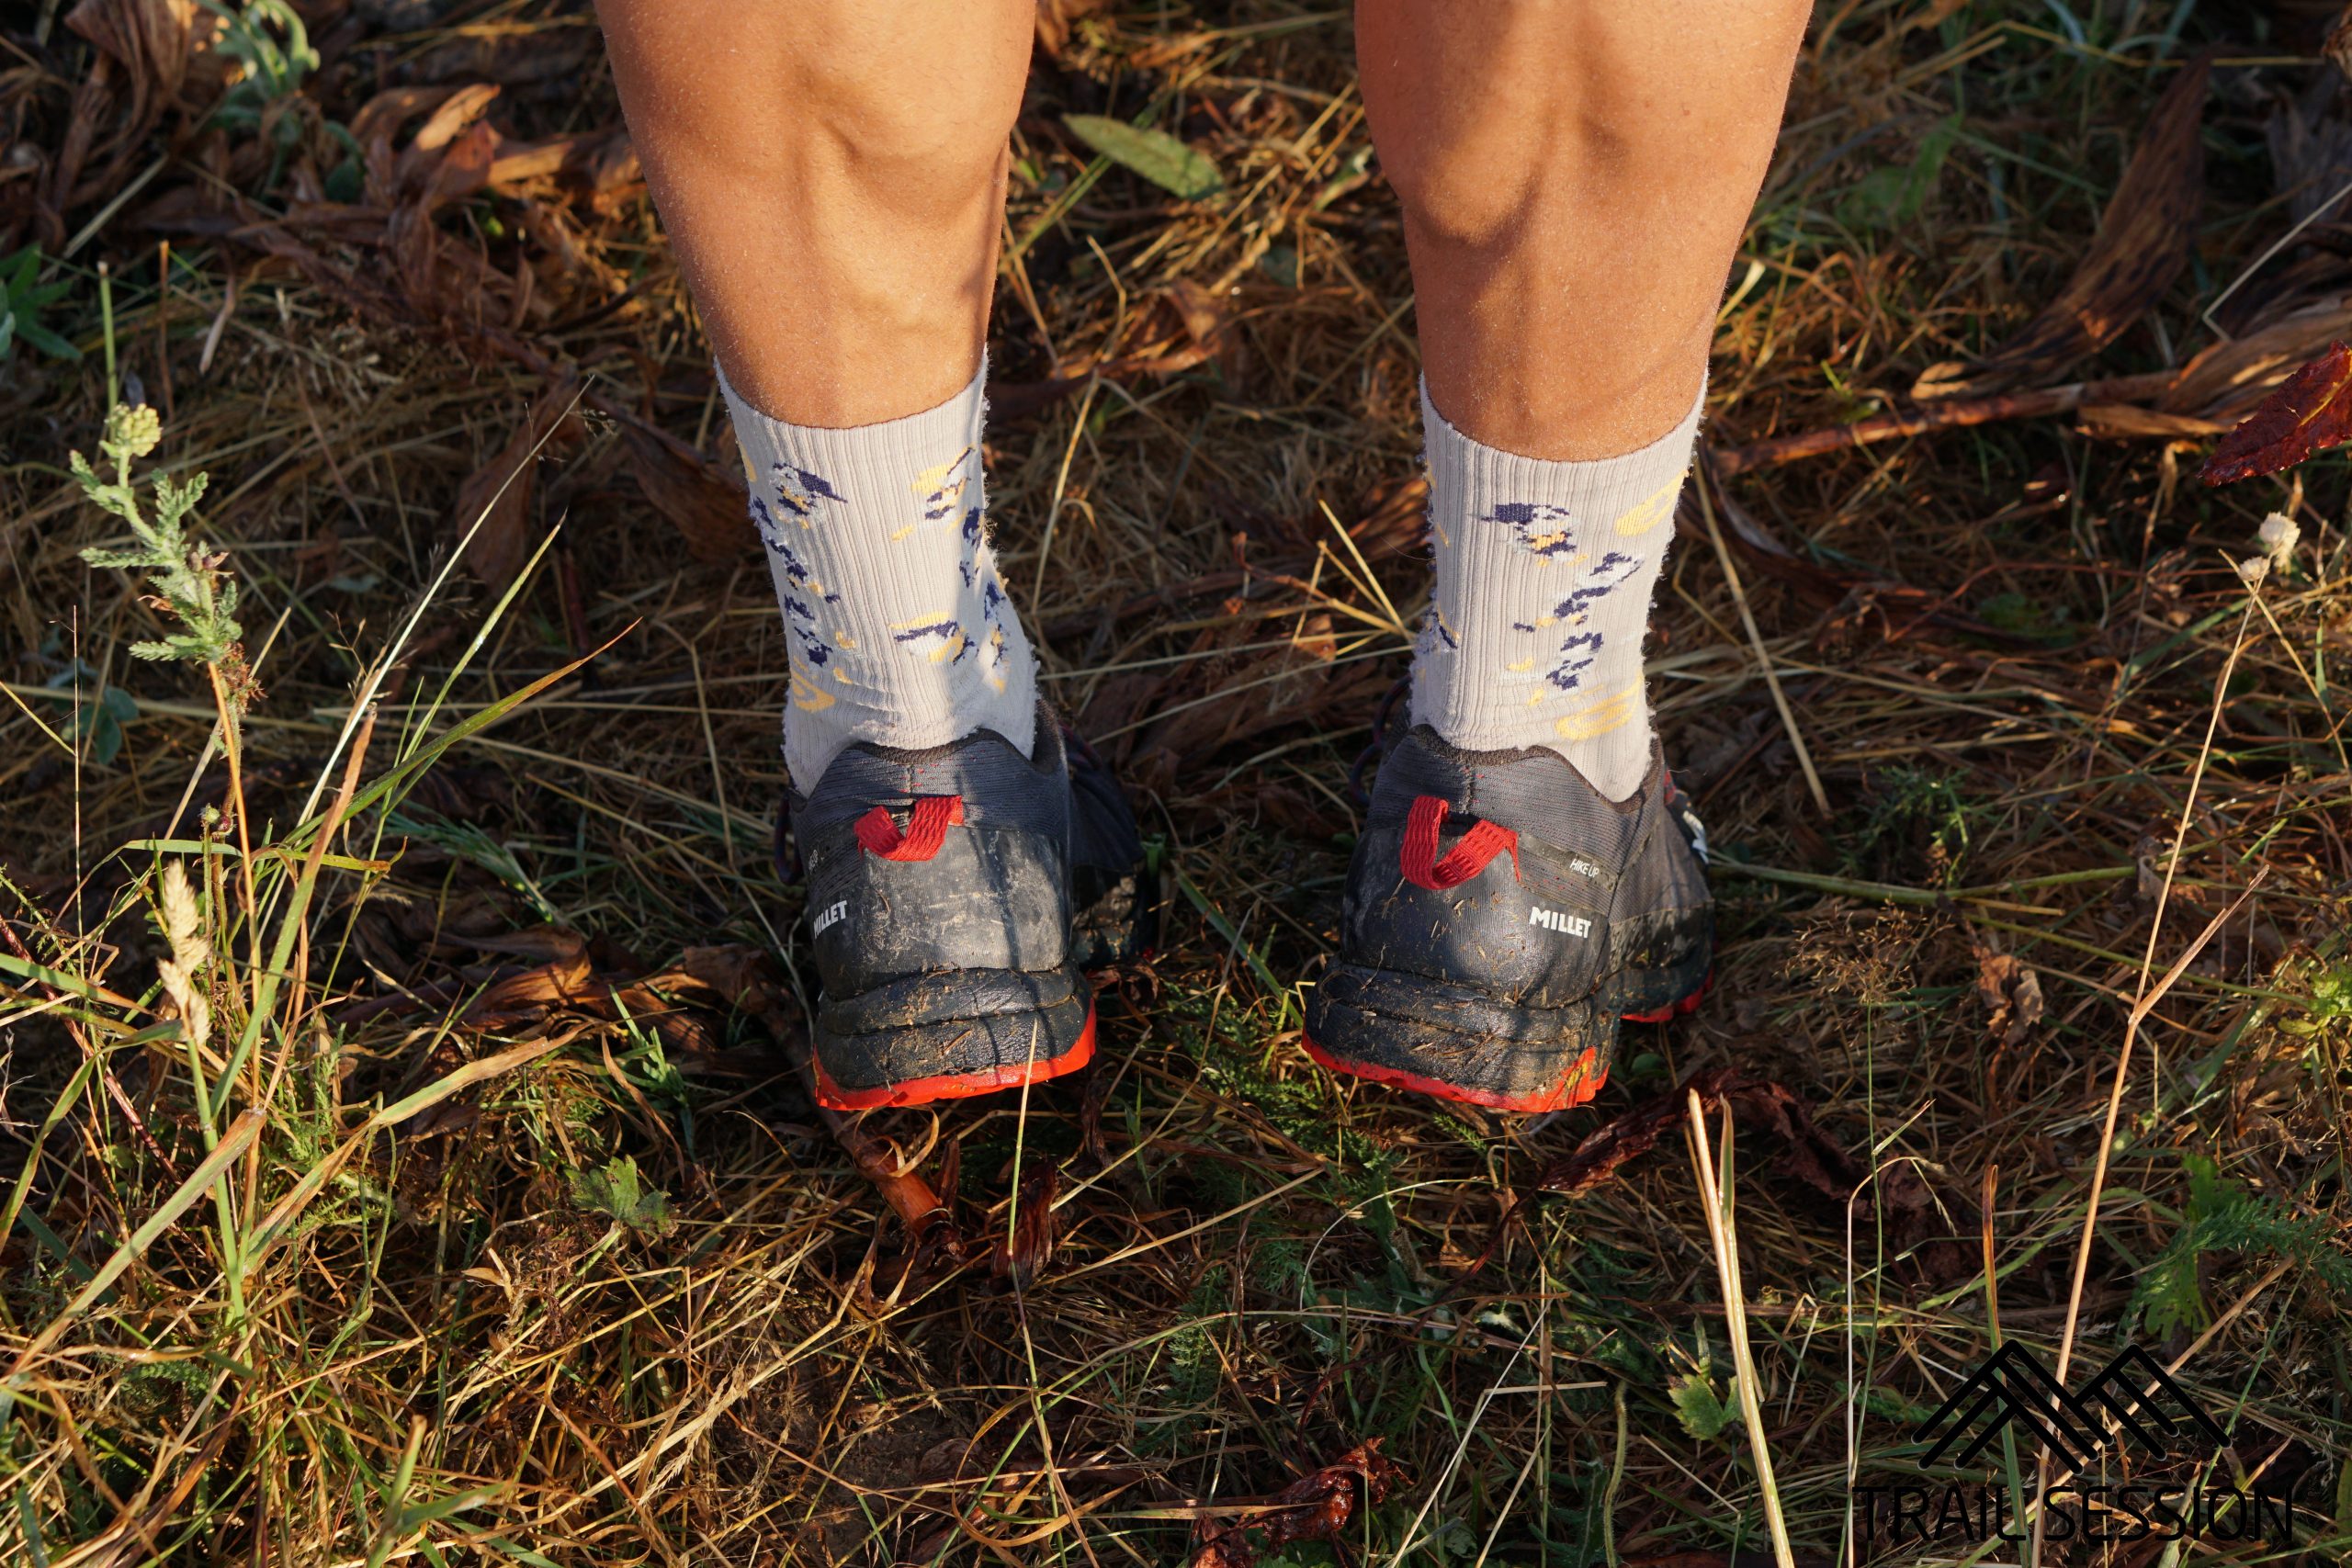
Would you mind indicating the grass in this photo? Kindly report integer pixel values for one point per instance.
(402, 1146)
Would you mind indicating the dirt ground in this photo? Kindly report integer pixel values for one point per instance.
(405, 1153)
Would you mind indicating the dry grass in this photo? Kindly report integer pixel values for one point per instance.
(404, 1322)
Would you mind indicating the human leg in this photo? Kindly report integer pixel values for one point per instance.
(1574, 175)
(831, 173)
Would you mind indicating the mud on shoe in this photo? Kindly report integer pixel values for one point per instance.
(1500, 915)
(954, 896)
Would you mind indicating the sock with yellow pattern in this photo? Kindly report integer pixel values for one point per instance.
(895, 619)
(1544, 571)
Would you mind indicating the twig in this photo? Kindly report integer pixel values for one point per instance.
(1722, 1231)
(2149, 997)
(1949, 415)
(1763, 660)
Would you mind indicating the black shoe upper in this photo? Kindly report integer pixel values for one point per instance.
(1585, 886)
(953, 893)
(995, 893)
(1500, 915)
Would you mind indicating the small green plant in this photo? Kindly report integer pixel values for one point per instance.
(1891, 196)
(1920, 821)
(1703, 1412)
(187, 579)
(99, 711)
(2331, 992)
(2225, 1218)
(273, 70)
(620, 1194)
(22, 298)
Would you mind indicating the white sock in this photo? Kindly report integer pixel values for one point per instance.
(897, 625)
(1544, 573)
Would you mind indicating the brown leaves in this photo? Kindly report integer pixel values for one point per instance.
(2144, 239)
(496, 500)
(1912, 1214)
(2011, 994)
(707, 510)
(1032, 1242)
(1178, 328)
(1814, 1158)
(900, 1181)
(143, 48)
(1313, 1507)
(1055, 21)
(561, 975)
(2310, 412)
(147, 43)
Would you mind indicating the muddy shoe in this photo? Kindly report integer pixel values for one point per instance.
(1499, 916)
(955, 894)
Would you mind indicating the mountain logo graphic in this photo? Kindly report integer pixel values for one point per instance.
(2014, 1390)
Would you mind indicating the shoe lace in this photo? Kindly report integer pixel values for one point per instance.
(926, 828)
(1418, 858)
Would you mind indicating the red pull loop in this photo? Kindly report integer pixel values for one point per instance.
(927, 826)
(1419, 861)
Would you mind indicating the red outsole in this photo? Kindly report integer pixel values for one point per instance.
(957, 1085)
(1682, 1009)
(1578, 1088)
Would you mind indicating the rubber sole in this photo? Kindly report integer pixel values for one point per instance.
(1419, 1032)
(1415, 1038)
(962, 1085)
(1681, 1008)
(1578, 1088)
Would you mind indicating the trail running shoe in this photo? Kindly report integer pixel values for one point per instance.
(955, 894)
(1500, 917)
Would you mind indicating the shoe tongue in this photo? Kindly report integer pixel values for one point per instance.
(999, 787)
(1535, 792)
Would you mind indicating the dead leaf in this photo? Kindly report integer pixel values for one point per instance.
(531, 993)
(1313, 1507)
(609, 168)
(465, 166)
(2224, 380)
(148, 42)
(711, 514)
(901, 1183)
(2011, 994)
(2144, 239)
(2310, 412)
(2129, 421)
(1203, 313)
(735, 972)
(543, 944)
(453, 115)
(1812, 1155)
(2310, 142)
(1033, 1229)
(499, 494)
(378, 121)
(2338, 46)
(1055, 18)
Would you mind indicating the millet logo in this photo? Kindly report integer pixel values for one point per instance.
(1553, 920)
(2150, 1415)
(828, 917)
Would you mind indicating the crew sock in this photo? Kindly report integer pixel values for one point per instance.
(895, 621)
(1543, 577)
